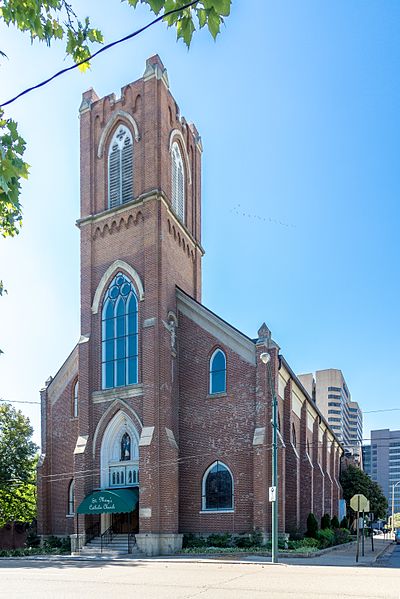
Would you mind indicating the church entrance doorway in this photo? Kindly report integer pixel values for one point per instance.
(125, 523)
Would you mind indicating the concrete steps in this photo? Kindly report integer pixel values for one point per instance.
(118, 547)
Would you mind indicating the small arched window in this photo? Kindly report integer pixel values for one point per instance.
(217, 372)
(120, 168)
(119, 334)
(125, 447)
(178, 182)
(75, 399)
(71, 498)
(217, 492)
(294, 438)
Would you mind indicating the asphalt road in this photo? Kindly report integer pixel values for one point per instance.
(173, 580)
(391, 559)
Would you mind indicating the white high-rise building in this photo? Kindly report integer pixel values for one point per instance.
(332, 396)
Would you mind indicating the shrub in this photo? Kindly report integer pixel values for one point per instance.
(296, 536)
(342, 535)
(191, 541)
(52, 542)
(312, 526)
(325, 522)
(326, 538)
(344, 523)
(335, 523)
(219, 540)
(303, 544)
(32, 539)
(310, 542)
(61, 544)
(257, 538)
(243, 541)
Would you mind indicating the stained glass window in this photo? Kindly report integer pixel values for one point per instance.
(217, 372)
(218, 488)
(125, 447)
(119, 334)
(75, 399)
(294, 438)
(71, 498)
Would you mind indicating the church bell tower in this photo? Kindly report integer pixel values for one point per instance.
(140, 228)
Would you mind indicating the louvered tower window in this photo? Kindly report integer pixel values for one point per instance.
(120, 168)
(178, 183)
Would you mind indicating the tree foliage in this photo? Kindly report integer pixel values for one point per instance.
(12, 170)
(17, 467)
(312, 526)
(354, 481)
(54, 20)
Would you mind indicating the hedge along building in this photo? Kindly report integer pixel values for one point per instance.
(162, 403)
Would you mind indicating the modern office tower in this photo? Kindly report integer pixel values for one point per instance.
(333, 398)
(366, 459)
(385, 463)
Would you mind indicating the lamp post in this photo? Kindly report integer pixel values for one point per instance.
(266, 359)
(393, 486)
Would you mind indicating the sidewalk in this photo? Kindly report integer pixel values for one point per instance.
(345, 556)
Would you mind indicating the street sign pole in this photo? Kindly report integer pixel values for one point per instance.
(363, 534)
(358, 536)
(359, 503)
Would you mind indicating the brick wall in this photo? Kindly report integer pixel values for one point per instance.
(166, 254)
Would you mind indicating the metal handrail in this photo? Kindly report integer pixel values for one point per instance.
(92, 532)
(131, 541)
(106, 537)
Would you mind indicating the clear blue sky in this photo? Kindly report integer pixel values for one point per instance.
(298, 107)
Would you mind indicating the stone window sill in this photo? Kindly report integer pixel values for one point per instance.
(70, 515)
(216, 395)
(216, 511)
(117, 393)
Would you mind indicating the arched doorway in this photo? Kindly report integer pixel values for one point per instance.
(119, 463)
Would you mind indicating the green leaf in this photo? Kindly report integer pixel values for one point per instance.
(156, 5)
(202, 16)
(214, 22)
(221, 7)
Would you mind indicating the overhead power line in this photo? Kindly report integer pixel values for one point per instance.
(103, 49)
(364, 412)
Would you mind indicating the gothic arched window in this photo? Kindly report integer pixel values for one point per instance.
(71, 498)
(125, 448)
(217, 488)
(178, 182)
(75, 399)
(294, 438)
(217, 372)
(119, 334)
(120, 168)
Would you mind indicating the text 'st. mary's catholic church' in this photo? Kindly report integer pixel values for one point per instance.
(158, 423)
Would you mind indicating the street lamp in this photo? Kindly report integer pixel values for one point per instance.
(393, 486)
(266, 359)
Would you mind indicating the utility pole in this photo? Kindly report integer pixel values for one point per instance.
(275, 477)
(266, 359)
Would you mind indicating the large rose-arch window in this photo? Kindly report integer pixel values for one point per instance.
(119, 334)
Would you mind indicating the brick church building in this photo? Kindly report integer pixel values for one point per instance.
(159, 421)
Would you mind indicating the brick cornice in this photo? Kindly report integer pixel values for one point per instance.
(135, 203)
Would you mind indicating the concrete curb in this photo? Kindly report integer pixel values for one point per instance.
(181, 557)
